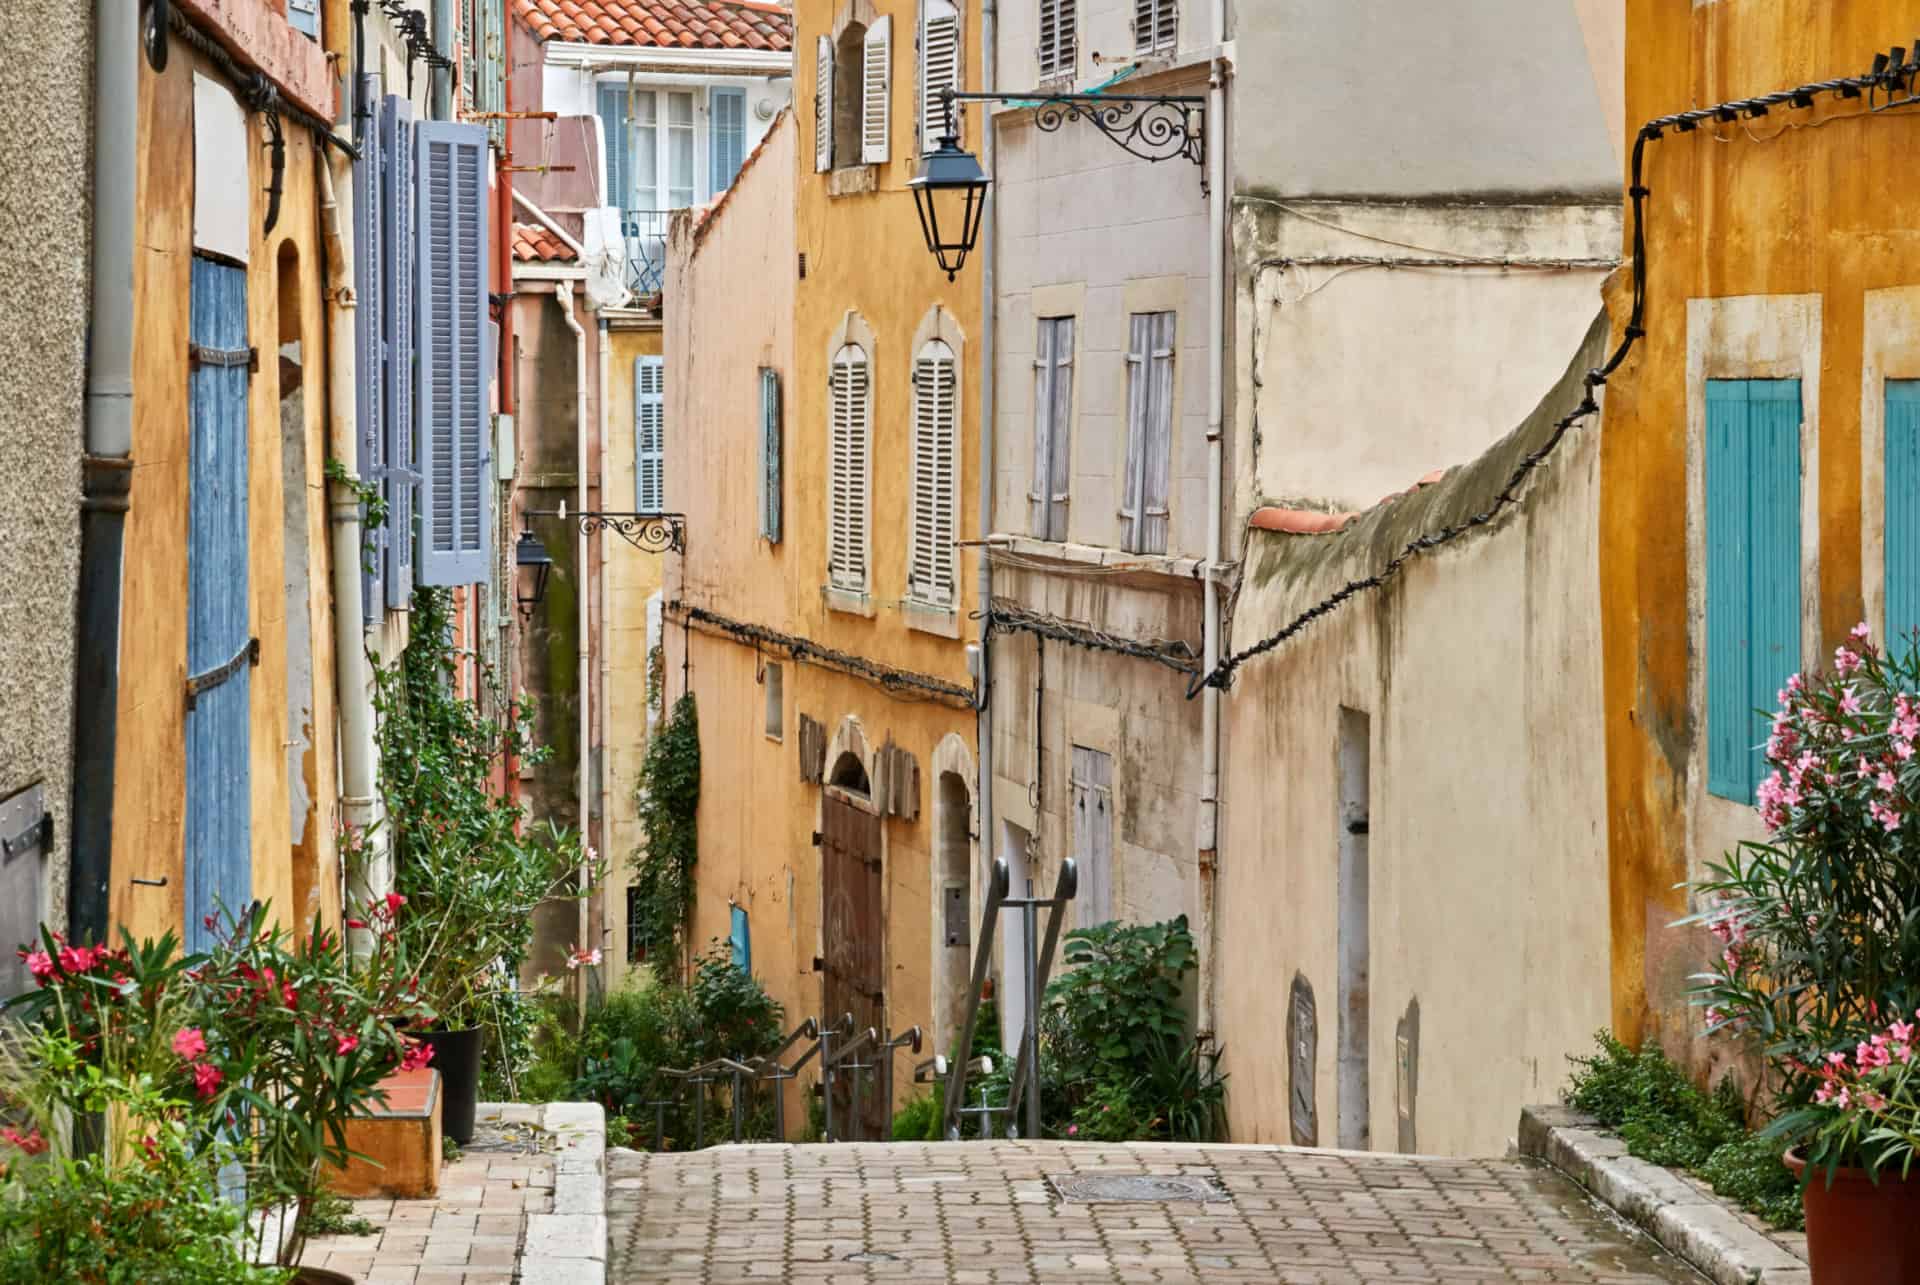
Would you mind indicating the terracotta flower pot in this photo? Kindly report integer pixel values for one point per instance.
(1860, 1232)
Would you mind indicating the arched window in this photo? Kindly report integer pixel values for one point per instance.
(936, 446)
(849, 422)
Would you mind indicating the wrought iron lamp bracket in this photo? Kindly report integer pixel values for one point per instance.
(1153, 127)
(647, 532)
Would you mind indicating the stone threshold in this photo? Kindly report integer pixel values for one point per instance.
(1720, 1240)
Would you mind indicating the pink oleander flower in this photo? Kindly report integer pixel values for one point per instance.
(345, 1044)
(1859, 632)
(189, 1043)
(30, 1142)
(1849, 702)
(1900, 1032)
(394, 902)
(206, 1080)
(416, 1056)
(75, 959)
(40, 964)
(356, 924)
(1072, 1129)
(579, 957)
(1714, 1015)
(1845, 660)
(1871, 1057)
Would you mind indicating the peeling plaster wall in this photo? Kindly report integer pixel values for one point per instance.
(45, 216)
(1479, 670)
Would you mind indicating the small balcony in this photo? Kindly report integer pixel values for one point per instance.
(646, 236)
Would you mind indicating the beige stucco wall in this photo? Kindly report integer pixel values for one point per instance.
(1487, 869)
(44, 216)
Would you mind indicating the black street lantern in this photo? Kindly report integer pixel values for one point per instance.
(950, 192)
(533, 564)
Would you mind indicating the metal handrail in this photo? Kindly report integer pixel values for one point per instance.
(1026, 1074)
(909, 1039)
(843, 1063)
(956, 1094)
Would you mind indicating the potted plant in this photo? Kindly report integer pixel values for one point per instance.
(1819, 965)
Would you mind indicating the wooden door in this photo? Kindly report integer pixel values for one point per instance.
(855, 959)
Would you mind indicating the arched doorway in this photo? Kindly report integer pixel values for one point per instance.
(953, 884)
(852, 930)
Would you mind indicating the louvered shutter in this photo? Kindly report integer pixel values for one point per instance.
(400, 477)
(1139, 347)
(847, 470)
(823, 104)
(649, 434)
(613, 125)
(876, 84)
(1159, 441)
(1156, 25)
(1902, 525)
(451, 179)
(1052, 427)
(930, 561)
(939, 69)
(370, 360)
(1058, 52)
(770, 432)
(1091, 786)
(1773, 424)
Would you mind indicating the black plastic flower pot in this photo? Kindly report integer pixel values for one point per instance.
(456, 1055)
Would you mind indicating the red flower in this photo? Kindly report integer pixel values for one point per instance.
(394, 902)
(345, 1044)
(75, 959)
(30, 1142)
(356, 923)
(289, 994)
(40, 964)
(206, 1079)
(416, 1056)
(152, 1145)
(190, 1043)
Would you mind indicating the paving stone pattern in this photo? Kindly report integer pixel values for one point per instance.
(985, 1212)
(470, 1235)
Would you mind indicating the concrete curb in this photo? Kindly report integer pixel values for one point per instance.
(569, 1245)
(1688, 1220)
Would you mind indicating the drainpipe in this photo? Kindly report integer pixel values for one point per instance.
(441, 80)
(1209, 837)
(353, 677)
(106, 469)
(582, 657)
(989, 23)
(606, 769)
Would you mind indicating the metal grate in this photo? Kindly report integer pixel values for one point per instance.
(1137, 1188)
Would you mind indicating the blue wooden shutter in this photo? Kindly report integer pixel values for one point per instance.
(400, 478)
(1753, 570)
(770, 455)
(370, 348)
(219, 796)
(613, 123)
(742, 941)
(726, 135)
(649, 434)
(304, 16)
(1903, 509)
(450, 177)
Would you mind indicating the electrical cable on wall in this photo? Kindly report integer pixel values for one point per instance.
(899, 681)
(1890, 74)
(1007, 617)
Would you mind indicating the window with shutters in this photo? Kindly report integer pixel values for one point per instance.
(847, 99)
(1156, 26)
(770, 455)
(876, 91)
(399, 475)
(772, 679)
(1059, 47)
(1902, 509)
(1143, 506)
(936, 448)
(939, 69)
(1752, 469)
(651, 142)
(649, 435)
(823, 118)
(1091, 789)
(850, 412)
(726, 136)
(741, 941)
(1052, 428)
(453, 369)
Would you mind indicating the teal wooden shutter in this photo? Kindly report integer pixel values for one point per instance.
(1753, 570)
(450, 179)
(742, 941)
(726, 136)
(1903, 509)
(770, 455)
(399, 477)
(649, 434)
(219, 794)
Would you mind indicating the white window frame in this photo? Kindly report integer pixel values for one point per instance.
(700, 178)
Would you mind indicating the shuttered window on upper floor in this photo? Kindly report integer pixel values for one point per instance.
(1052, 428)
(726, 137)
(1144, 486)
(1752, 467)
(1090, 783)
(1902, 523)
(454, 366)
(823, 104)
(770, 455)
(876, 91)
(1156, 25)
(370, 341)
(1058, 50)
(650, 434)
(939, 69)
(850, 410)
(399, 473)
(936, 449)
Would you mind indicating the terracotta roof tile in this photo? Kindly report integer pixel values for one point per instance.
(672, 24)
(535, 244)
(1316, 522)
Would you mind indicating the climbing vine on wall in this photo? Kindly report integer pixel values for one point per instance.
(668, 796)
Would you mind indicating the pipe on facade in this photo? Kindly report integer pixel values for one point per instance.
(519, 198)
(1209, 836)
(983, 733)
(106, 470)
(582, 658)
(353, 677)
(440, 79)
(606, 769)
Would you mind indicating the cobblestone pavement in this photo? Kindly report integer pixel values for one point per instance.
(986, 1212)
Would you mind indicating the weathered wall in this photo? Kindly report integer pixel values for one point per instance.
(1485, 868)
(45, 209)
(149, 793)
(1741, 220)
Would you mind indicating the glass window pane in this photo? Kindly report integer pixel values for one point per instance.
(726, 128)
(679, 150)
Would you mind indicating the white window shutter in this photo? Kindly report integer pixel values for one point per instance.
(1159, 441)
(823, 104)
(649, 434)
(1091, 782)
(849, 421)
(1058, 51)
(452, 376)
(939, 69)
(1139, 347)
(930, 576)
(876, 85)
(1156, 25)
(1052, 427)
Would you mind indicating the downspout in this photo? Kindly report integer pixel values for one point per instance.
(352, 676)
(440, 79)
(989, 22)
(606, 769)
(564, 293)
(106, 469)
(1209, 837)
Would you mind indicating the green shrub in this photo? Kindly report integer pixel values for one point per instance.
(918, 1120)
(1748, 1170)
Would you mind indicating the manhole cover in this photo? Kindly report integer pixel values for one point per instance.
(1086, 1188)
(871, 1256)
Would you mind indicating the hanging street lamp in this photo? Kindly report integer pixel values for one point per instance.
(533, 564)
(951, 193)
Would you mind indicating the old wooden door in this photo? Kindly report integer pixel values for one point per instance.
(855, 961)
